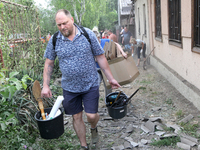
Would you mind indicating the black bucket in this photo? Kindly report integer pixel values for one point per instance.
(116, 112)
(50, 129)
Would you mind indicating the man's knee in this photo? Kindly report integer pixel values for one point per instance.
(92, 117)
(77, 117)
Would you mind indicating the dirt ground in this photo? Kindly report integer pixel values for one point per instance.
(158, 99)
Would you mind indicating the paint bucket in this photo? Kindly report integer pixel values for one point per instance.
(50, 129)
(116, 112)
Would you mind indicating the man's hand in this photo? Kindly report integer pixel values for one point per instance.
(124, 55)
(46, 92)
(114, 84)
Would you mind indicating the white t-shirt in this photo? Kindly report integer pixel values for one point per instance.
(139, 43)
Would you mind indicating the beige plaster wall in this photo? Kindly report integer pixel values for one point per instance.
(145, 37)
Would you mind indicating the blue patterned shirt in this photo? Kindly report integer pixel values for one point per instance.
(76, 60)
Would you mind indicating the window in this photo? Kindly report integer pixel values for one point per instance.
(158, 30)
(144, 16)
(197, 23)
(175, 20)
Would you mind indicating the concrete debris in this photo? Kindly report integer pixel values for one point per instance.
(158, 127)
(188, 142)
(156, 109)
(189, 138)
(120, 147)
(145, 129)
(159, 119)
(150, 125)
(177, 129)
(143, 141)
(134, 144)
(187, 119)
(183, 146)
(65, 122)
(130, 119)
(108, 118)
(159, 133)
(127, 145)
(129, 129)
(124, 135)
(168, 136)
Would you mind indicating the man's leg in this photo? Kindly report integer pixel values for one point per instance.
(93, 120)
(79, 127)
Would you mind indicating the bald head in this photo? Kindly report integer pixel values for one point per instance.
(66, 12)
(64, 22)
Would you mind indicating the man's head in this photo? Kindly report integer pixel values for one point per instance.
(110, 32)
(125, 28)
(133, 41)
(64, 22)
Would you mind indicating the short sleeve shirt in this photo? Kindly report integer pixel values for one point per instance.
(139, 42)
(127, 36)
(76, 60)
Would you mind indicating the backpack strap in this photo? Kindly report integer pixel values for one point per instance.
(84, 33)
(54, 39)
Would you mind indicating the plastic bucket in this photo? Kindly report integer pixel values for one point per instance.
(50, 129)
(116, 112)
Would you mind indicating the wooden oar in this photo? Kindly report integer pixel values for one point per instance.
(36, 89)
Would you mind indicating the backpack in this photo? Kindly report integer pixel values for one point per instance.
(84, 33)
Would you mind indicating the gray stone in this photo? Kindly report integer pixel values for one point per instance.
(168, 135)
(188, 142)
(156, 109)
(183, 146)
(189, 138)
(150, 125)
(143, 141)
(187, 119)
(120, 147)
(159, 133)
(127, 145)
(145, 129)
(129, 129)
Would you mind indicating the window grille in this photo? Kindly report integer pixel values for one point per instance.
(158, 32)
(197, 23)
(174, 20)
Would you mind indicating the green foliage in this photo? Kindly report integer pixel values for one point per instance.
(10, 84)
(179, 114)
(166, 142)
(101, 13)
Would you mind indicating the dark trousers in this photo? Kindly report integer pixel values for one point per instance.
(143, 53)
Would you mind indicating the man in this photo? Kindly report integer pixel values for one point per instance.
(79, 75)
(141, 48)
(112, 36)
(126, 39)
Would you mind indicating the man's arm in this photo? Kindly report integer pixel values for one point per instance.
(48, 70)
(102, 61)
(121, 50)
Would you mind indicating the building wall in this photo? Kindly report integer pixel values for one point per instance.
(141, 14)
(178, 64)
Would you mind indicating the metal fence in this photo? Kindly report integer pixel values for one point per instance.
(20, 42)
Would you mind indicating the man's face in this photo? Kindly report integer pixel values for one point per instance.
(125, 28)
(64, 24)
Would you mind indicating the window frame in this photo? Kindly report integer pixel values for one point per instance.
(158, 18)
(172, 23)
(195, 48)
